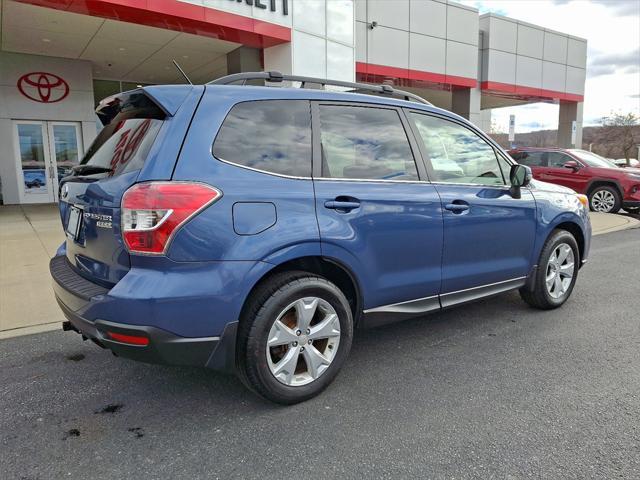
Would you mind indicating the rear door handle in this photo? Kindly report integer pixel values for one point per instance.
(341, 205)
(457, 206)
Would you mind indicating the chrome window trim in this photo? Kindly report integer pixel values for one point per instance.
(228, 162)
(282, 175)
(369, 180)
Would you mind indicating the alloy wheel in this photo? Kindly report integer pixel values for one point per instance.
(603, 201)
(303, 341)
(560, 270)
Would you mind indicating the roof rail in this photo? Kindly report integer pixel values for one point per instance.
(277, 77)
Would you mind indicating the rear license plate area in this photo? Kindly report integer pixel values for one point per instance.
(74, 222)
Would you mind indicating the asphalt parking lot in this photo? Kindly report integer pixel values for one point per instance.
(489, 390)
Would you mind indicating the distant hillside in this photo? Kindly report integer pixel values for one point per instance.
(605, 140)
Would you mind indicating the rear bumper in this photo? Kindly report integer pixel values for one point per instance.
(163, 347)
(76, 295)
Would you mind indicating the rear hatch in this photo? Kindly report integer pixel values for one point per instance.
(134, 122)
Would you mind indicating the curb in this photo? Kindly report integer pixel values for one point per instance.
(30, 330)
(627, 223)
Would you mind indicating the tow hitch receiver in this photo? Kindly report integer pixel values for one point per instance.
(68, 326)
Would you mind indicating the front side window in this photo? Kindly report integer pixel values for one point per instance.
(557, 159)
(364, 143)
(269, 135)
(457, 154)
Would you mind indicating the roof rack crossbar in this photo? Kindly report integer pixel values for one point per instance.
(277, 77)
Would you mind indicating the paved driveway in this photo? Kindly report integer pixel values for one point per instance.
(489, 390)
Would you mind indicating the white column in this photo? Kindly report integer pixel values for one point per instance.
(466, 103)
(485, 120)
(569, 111)
(279, 59)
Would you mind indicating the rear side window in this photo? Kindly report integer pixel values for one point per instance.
(269, 135)
(364, 143)
(531, 159)
(133, 121)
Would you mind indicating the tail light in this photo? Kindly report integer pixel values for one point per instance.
(153, 212)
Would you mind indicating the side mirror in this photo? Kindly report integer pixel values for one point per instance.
(572, 165)
(520, 176)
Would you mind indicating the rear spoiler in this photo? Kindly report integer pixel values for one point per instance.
(163, 100)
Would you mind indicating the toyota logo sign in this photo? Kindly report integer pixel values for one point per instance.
(43, 87)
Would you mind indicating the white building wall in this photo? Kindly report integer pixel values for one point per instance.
(322, 41)
(78, 106)
(322, 37)
(434, 36)
(518, 53)
(251, 11)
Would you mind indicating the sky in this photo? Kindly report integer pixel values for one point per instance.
(612, 30)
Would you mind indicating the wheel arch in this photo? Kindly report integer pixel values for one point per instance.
(575, 230)
(604, 182)
(329, 268)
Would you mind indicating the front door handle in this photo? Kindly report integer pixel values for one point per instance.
(457, 206)
(342, 206)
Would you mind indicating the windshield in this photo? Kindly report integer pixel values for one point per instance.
(593, 160)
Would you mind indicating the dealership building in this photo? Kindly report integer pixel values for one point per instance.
(58, 58)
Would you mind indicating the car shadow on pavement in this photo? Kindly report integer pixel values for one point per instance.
(97, 379)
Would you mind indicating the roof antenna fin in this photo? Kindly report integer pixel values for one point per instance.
(182, 72)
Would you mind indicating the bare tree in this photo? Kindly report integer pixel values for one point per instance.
(618, 129)
(538, 138)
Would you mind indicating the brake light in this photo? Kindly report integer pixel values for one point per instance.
(153, 212)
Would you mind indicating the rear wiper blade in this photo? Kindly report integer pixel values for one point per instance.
(90, 169)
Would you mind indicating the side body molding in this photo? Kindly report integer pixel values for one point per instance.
(384, 314)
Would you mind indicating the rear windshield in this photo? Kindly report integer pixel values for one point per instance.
(132, 123)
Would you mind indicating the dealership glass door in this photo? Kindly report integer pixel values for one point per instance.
(46, 152)
(65, 148)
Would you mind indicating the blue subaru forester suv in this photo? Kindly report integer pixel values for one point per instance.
(251, 228)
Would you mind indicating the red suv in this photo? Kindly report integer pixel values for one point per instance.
(608, 186)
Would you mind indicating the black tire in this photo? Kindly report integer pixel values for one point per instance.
(539, 297)
(264, 306)
(606, 188)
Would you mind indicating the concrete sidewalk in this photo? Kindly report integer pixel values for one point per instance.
(608, 223)
(29, 237)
